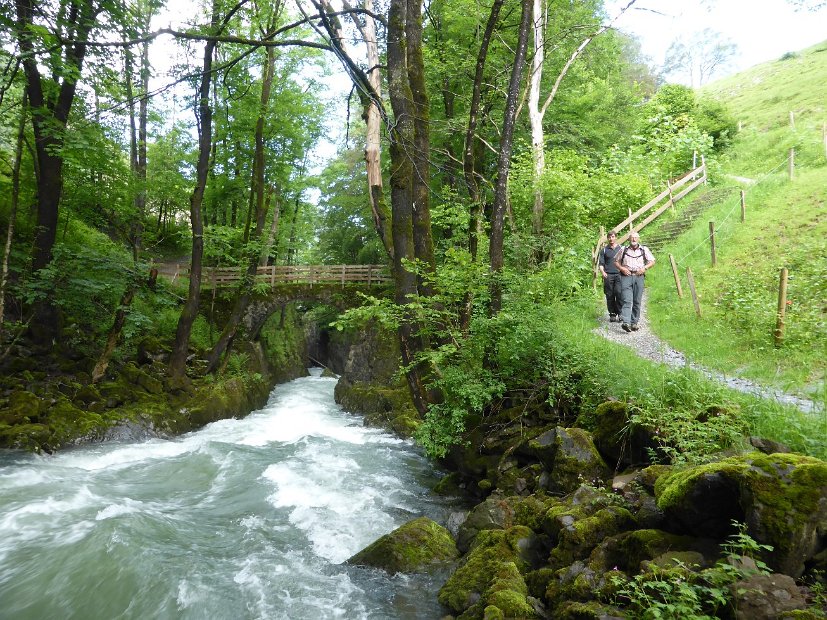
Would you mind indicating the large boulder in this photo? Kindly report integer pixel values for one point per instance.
(619, 441)
(412, 547)
(576, 460)
(782, 499)
(490, 582)
(766, 597)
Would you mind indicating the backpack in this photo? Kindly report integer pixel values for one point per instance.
(643, 250)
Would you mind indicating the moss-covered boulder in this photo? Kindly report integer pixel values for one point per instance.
(782, 499)
(576, 460)
(412, 547)
(139, 377)
(383, 406)
(23, 408)
(495, 513)
(579, 537)
(620, 442)
(490, 575)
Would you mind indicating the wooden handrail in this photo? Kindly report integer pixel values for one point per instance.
(295, 274)
(694, 177)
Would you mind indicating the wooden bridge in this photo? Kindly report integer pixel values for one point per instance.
(221, 277)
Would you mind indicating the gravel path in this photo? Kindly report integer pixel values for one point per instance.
(647, 345)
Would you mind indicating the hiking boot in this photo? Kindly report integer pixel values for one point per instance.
(626, 327)
(612, 318)
(635, 327)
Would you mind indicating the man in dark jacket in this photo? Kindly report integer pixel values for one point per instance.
(611, 277)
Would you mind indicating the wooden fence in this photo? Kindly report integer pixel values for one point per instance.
(286, 274)
(652, 209)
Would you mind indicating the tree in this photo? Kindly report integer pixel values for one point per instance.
(50, 99)
(699, 57)
(495, 245)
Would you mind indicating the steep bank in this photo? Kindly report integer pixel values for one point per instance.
(579, 514)
(48, 400)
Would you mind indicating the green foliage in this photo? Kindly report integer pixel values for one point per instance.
(686, 593)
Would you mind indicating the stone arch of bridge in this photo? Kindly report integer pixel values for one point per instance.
(264, 307)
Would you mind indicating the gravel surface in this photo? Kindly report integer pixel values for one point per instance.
(647, 345)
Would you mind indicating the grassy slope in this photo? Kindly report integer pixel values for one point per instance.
(786, 226)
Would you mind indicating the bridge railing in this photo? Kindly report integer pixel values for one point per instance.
(286, 274)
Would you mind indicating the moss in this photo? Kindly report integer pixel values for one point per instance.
(780, 496)
(576, 460)
(578, 539)
(382, 406)
(531, 511)
(592, 610)
(482, 565)
(449, 485)
(493, 612)
(642, 545)
(410, 548)
(24, 407)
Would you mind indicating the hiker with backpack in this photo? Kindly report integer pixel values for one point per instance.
(611, 276)
(632, 261)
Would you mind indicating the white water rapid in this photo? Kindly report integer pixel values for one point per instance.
(249, 518)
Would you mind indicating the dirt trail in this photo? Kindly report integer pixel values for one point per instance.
(647, 345)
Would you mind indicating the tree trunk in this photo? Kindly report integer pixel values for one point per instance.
(50, 103)
(495, 247)
(402, 194)
(373, 149)
(257, 189)
(114, 333)
(538, 150)
(420, 189)
(468, 159)
(178, 358)
(15, 199)
(274, 226)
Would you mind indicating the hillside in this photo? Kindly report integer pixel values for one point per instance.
(780, 106)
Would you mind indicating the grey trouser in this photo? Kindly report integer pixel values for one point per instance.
(632, 291)
(611, 289)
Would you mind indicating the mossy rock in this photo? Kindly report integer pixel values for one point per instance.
(620, 443)
(577, 539)
(138, 377)
(24, 408)
(485, 570)
(780, 498)
(576, 460)
(412, 547)
(385, 407)
(495, 513)
(628, 551)
(87, 394)
(592, 610)
(26, 436)
(450, 485)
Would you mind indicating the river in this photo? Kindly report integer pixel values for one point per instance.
(250, 518)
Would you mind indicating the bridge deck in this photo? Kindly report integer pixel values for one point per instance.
(285, 274)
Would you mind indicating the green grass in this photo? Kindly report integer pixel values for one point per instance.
(786, 226)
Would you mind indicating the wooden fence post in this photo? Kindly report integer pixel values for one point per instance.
(712, 243)
(677, 277)
(703, 163)
(740, 125)
(669, 189)
(792, 163)
(743, 207)
(824, 137)
(792, 119)
(692, 290)
(782, 307)
(695, 158)
(631, 223)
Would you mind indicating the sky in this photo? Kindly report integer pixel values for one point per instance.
(763, 30)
